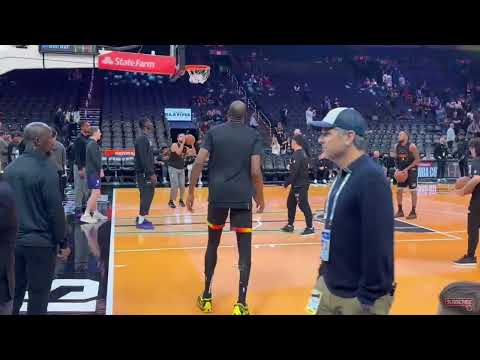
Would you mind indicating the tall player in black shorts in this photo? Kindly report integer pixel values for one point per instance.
(234, 177)
(407, 160)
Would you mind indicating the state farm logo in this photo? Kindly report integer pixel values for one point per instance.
(134, 63)
(137, 63)
(107, 61)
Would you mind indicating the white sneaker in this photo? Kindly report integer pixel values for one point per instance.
(200, 183)
(324, 181)
(315, 181)
(99, 216)
(89, 219)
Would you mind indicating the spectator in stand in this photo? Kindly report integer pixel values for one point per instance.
(389, 165)
(376, 157)
(373, 83)
(322, 172)
(474, 128)
(367, 84)
(327, 104)
(284, 114)
(204, 126)
(3, 151)
(275, 146)
(306, 93)
(296, 88)
(309, 114)
(462, 154)
(451, 136)
(253, 121)
(59, 119)
(282, 138)
(440, 154)
(15, 149)
(401, 81)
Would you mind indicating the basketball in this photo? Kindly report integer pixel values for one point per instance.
(401, 176)
(189, 139)
(461, 182)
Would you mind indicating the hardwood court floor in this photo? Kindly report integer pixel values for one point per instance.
(161, 272)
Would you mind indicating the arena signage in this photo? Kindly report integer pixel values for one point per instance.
(135, 62)
(174, 114)
(119, 152)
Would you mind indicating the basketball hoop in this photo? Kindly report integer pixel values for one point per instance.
(198, 73)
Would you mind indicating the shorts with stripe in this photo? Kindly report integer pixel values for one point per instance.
(240, 219)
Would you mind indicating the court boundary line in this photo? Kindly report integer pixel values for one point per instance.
(111, 259)
(264, 245)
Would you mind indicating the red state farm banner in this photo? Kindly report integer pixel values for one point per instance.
(134, 62)
(119, 152)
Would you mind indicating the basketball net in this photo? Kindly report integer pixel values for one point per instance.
(198, 74)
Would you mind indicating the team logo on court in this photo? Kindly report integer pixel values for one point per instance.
(400, 226)
(71, 296)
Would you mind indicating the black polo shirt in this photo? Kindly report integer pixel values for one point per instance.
(361, 240)
(231, 147)
(34, 180)
(475, 199)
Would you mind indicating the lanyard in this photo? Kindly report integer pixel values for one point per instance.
(329, 215)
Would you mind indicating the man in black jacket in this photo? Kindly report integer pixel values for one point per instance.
(356, 275)
(389, 165)
(440, 154)
(34, 180)
(322, 169)
(8, 231)
(145, 172)
(306, 146)
(79, 173)
(300, 183)
(462, 154)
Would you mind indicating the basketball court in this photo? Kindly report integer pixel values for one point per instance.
(161, 271)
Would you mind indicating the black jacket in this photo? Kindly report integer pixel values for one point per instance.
(80, 151)
(298, 170)
(361, 246)
(462, 150)
(440, 152)
(144, 162)
(34, 180)
(388, 162)
(322, 163)
(8, 235)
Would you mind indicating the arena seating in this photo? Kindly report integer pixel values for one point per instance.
(35, 95)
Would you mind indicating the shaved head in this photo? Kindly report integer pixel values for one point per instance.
(237, 111)
(39, 136)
